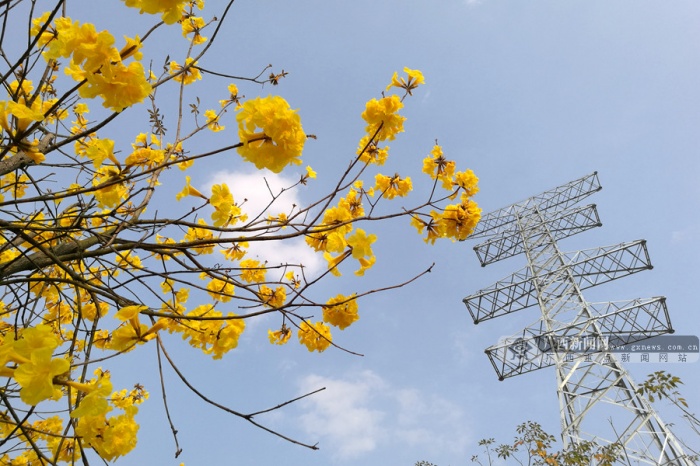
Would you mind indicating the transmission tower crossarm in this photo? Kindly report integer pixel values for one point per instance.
(589, 268)
(558, 198)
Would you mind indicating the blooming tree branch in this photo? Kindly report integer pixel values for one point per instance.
(109, 242)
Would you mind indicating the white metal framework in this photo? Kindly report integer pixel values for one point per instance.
(598, 399)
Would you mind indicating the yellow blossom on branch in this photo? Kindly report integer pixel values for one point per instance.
(170, 10)
(310, 173)
(341, 311)
(252, 271)
(281, 336)
(415, 78)
(111, 189)
(270, 133)
(213, 121)
(467, 182)
(190, 190)
(390, 187)
(195, 234)
(193, 25)
(125, 87)
(189, 75)
(438, 167)
(220, 290)
(369, 152)
(272, 298)
(233, 96)
(383, 113)
(316, 337)
(459, 220)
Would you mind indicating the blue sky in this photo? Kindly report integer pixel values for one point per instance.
(529, 95)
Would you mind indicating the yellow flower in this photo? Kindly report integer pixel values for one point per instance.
(132, 48)
(129, 312)
(121, 88)
(96, 149)
(341, 311)
(252, 271)
(189, 190)
(170, 10)
(145, 152)
(316, 337)
(433, 226)
(95, 402)
(467, 181)
(360, 246)
(233, 96)
(369, 152)
(279, 337)
(25, 115)
(128, 261)
(270, 298)
(194, 24)
(293, 279)
(270, 133)
(394, 186)
(438, 167)
(196, 234)
(190, 73)
(36, 376)
(213, 121)
(310, 173)
(227, 337)
(220, 290)
(415, 78)
(334, 261)
(113, 190)
(236, 251)
(225, 211)
(459, 220)
(110, 437)
(353, 203)
(383, 114)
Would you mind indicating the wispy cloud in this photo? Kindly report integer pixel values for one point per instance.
(361, 413)
(691, 233)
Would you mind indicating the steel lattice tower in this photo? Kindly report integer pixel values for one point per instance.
(597, 398)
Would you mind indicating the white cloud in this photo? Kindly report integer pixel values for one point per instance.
(360, 413)
(341, 413)
(259, 189)
(691, 233)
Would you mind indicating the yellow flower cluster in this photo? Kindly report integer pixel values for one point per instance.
(170, 10)
(316, 337)
(112, 436)
(383, 119)
(95, 62)
(147, 152)
(270, 133)
(216, 336)
(456, 221)
(187, 73)
(415, 78)
(22, 111)
(341, 311)
(390, 187)
(194, 25)
(31, 352)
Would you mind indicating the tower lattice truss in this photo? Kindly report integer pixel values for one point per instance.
(598, 399)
